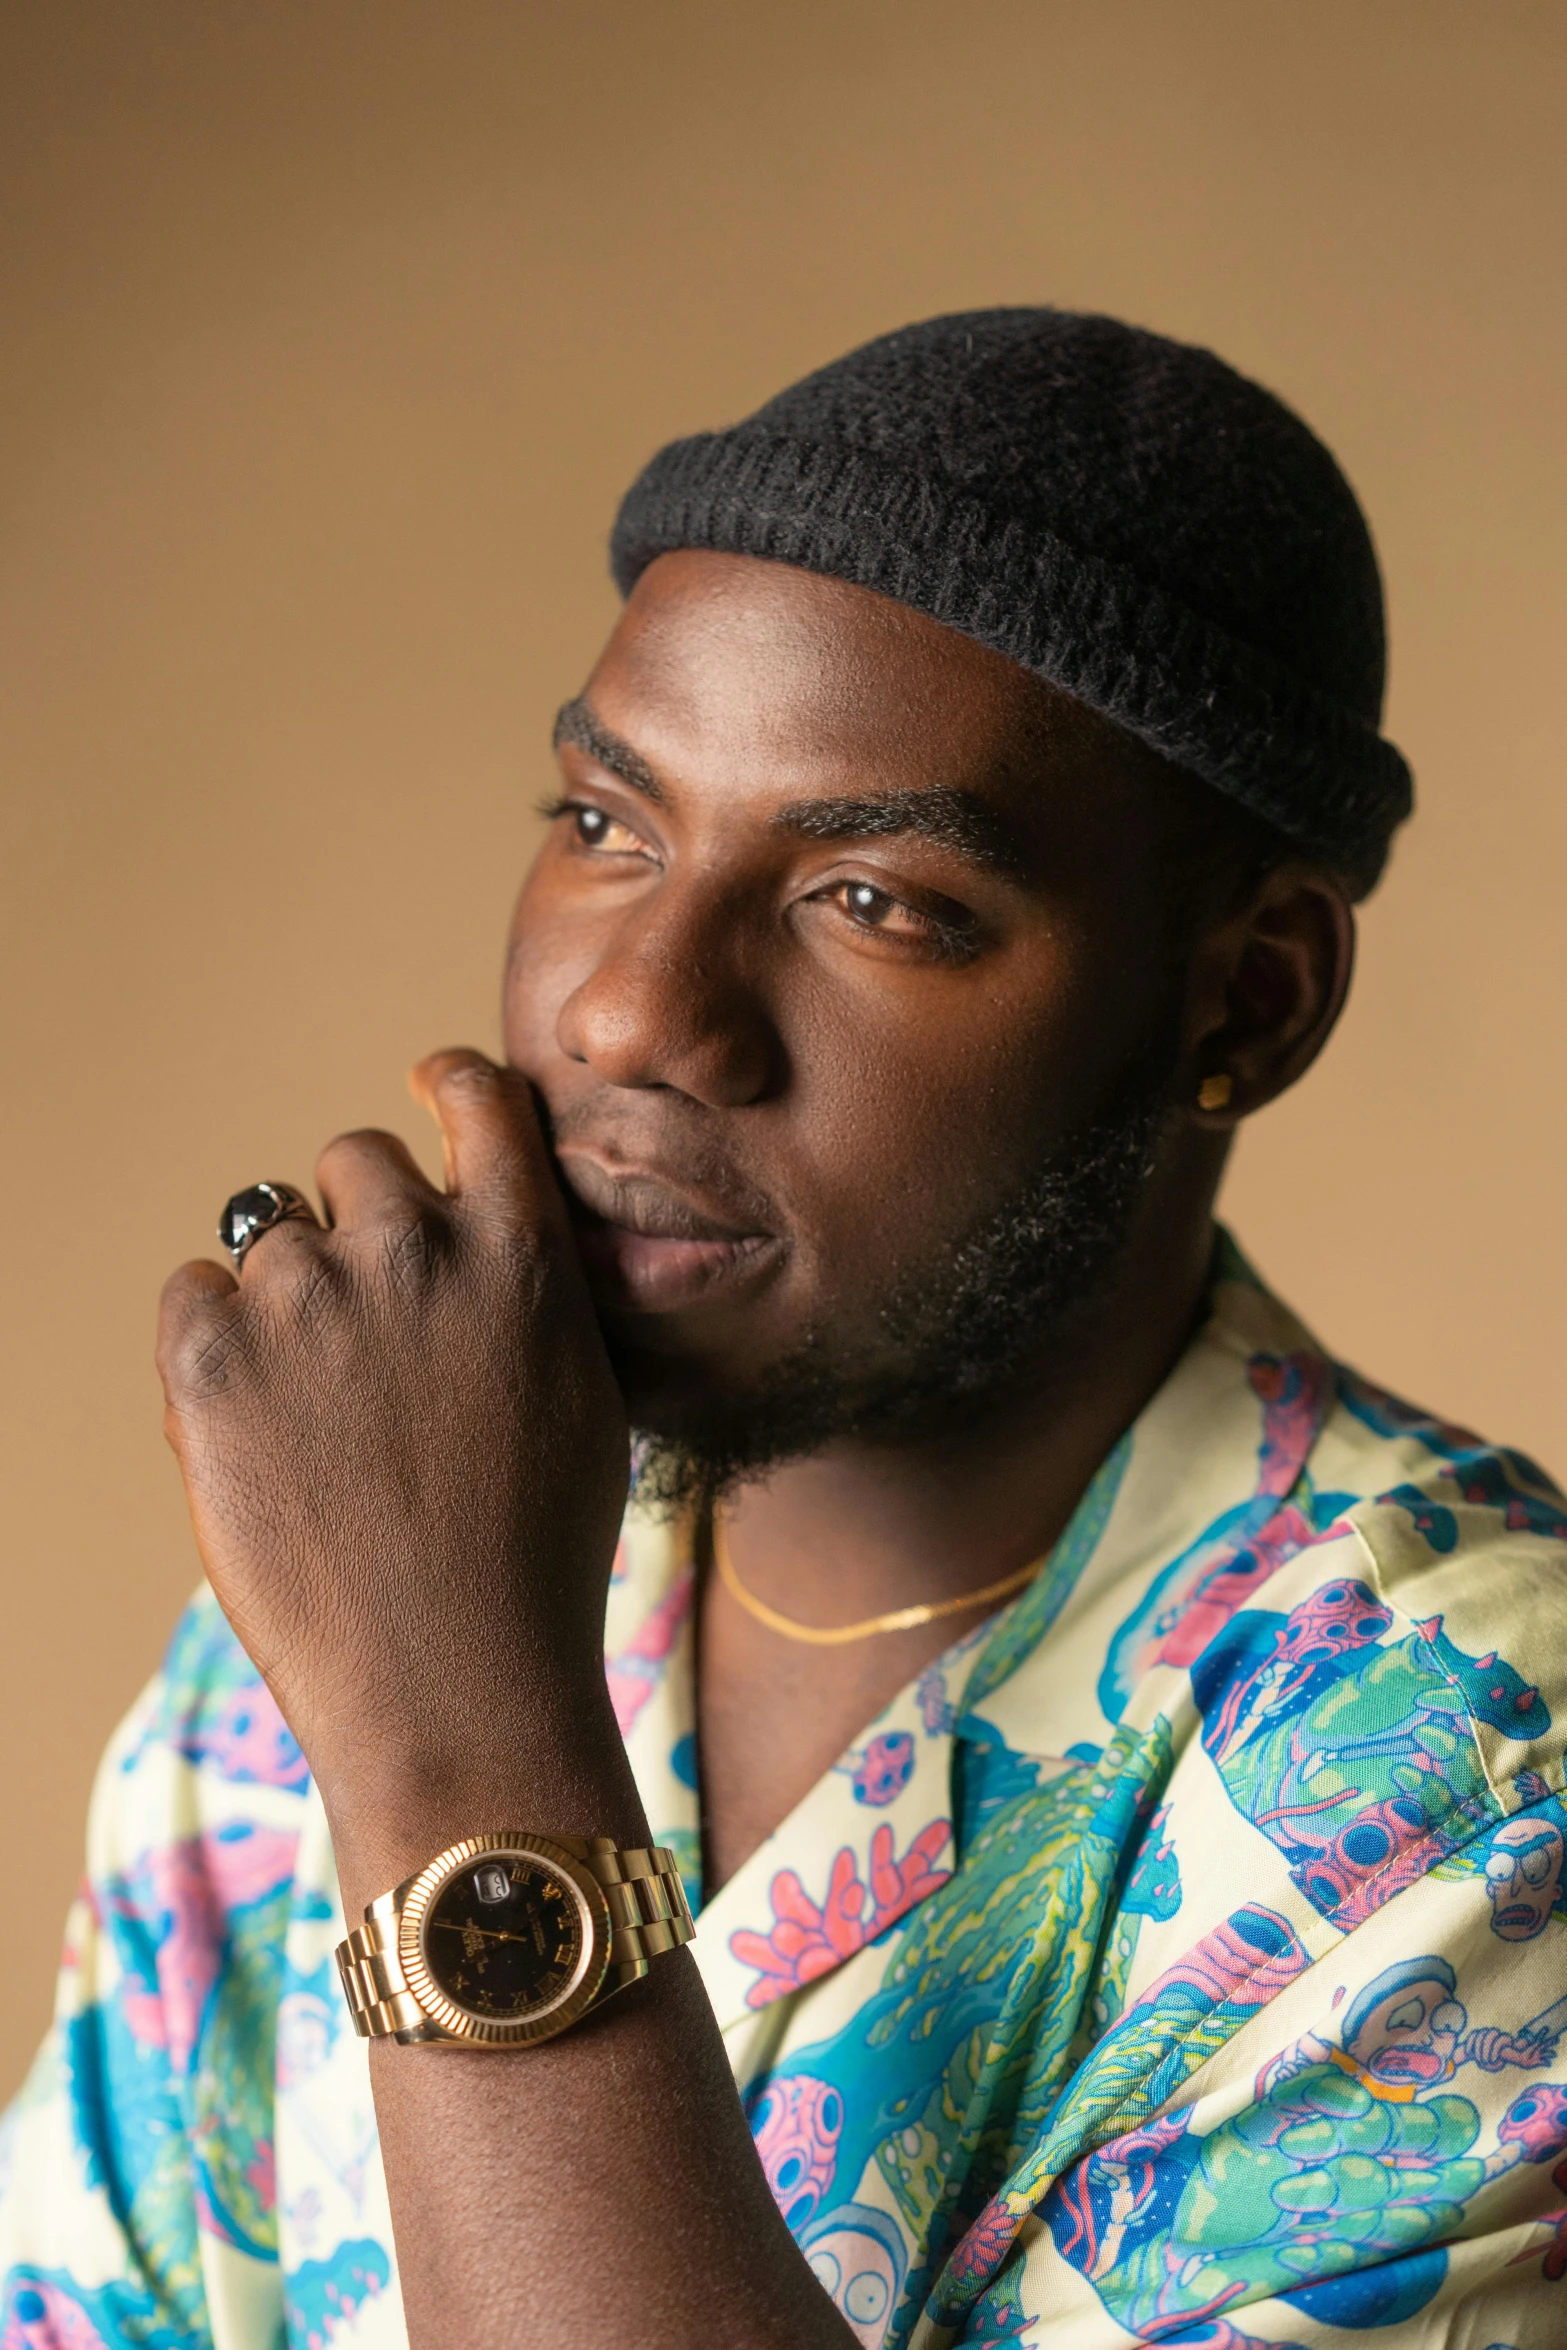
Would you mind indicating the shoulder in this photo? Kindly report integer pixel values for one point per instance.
(1465, 1543)
(1398, 1685)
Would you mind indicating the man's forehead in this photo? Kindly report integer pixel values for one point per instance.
(732, 661)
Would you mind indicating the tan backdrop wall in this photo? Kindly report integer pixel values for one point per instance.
(331, 334)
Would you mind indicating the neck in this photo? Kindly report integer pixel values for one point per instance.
(859, 1529)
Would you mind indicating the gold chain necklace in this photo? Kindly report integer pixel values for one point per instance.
(899, 1619)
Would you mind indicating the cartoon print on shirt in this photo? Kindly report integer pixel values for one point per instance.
(1186, 1606)
(1408, 2031)
(1354, 1754)
(880, 1769)
(808, 1938)
(857, 2256)
(1523, 1877)
(954, 2061)
(1353, 2155)
(1041, 1856)
(1523, 1861)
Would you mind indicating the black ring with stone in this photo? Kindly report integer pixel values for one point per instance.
(250, 1213)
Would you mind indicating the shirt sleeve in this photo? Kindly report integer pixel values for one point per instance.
(136, 2173)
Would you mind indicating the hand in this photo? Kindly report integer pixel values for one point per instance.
(1491, 2049)
(406, 1455)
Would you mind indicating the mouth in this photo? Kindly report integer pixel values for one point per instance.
(1516, 1920)
(650, 1246)
(1406, 2064)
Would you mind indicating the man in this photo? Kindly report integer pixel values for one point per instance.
(1081, 1714)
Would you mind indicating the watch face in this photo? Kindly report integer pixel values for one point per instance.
(504, 1937)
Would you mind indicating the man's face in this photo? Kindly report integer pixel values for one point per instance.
(1523, 1874)
(845, 930)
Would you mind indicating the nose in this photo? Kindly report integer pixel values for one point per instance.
(675, 1001)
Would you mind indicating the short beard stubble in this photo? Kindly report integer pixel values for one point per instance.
(947, 1340)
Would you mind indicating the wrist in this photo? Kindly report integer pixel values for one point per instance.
(563, 1770)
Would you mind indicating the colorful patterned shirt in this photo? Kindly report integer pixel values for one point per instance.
(1179, 1959)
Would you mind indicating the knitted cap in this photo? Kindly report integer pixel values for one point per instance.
(1124, 515)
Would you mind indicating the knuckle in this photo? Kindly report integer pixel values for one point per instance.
(198, 1358)
(475, 1078)
(415, 1252)
(532, 1258)
(311, 1297)
(278, 1253)
(358, 1144)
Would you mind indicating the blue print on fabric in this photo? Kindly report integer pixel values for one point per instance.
(324, 2294)
(46, 2309)
(1383, 2296)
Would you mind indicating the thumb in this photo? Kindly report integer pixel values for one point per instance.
(494, 1144)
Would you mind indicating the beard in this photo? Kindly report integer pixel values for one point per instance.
(1005, 1301)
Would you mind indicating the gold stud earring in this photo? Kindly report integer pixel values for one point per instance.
(1214, 1092)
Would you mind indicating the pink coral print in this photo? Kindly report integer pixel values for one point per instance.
(986, 2245)
(634, 1672)
(808, 1940)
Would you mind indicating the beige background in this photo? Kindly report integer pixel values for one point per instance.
(331, 333)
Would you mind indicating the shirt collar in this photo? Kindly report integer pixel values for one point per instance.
(1168, 1536)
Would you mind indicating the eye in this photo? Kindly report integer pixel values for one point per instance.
(870, 908)
(1409, 2017)
(595, 829)
(1449, 2018)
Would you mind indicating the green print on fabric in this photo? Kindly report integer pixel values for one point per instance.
(1355, 2155)
(951, 2068)
(975, 2115)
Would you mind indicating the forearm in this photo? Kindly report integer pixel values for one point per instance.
(406, 1457)
(602, 2188)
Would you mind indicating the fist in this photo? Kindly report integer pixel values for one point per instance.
(403, 1447)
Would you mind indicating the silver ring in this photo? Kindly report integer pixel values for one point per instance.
(250, 1213)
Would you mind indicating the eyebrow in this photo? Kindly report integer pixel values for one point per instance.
(577, 723)
(951, 818)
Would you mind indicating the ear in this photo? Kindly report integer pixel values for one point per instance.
(1267, 984)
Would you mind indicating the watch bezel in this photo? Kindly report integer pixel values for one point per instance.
(587, 1978)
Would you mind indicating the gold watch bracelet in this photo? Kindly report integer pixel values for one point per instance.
(648, 1915)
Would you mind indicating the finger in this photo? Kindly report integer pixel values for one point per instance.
(192, 1309)
(253, 1218)
(494, 1145)
(370, 1179)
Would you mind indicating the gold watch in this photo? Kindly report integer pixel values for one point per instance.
(505, 1940)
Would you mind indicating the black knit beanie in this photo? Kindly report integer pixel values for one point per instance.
(1124, 515)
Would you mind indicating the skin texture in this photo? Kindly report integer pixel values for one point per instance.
(755, 1072)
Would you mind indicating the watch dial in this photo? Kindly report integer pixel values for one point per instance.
(504, 1937)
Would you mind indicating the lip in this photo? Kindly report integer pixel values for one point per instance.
(1419, 2064)
(649, 1245)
